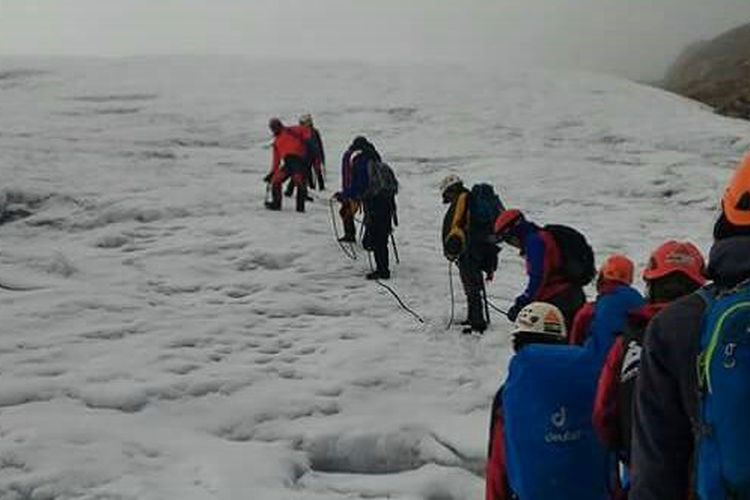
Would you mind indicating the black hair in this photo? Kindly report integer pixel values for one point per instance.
(724, 229)
(670, 287)
(522, 339)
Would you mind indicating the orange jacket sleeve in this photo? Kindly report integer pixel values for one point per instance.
(606, 405)
(581, 324)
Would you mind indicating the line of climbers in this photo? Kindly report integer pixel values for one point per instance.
(368, 184)
(646, 399)
(622, 397)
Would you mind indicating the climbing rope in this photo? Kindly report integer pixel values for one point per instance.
(348, 250)
(493, 306)
(453, 298)
(395, 295)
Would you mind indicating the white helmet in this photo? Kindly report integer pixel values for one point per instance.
(449, 181)
(540, 317)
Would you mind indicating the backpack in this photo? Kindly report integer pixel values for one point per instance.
(632, 342)
(311, 148)
(381, 180)
(551, 449)
(484, 207)
(576, 254)
(723, 447)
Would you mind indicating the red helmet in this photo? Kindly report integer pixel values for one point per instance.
(676, 257)
(507, 220)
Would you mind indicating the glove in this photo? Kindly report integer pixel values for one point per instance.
(453, 248)
(454, 245)
(515, 310)
(267, 178)
(490, 277)
(338, 196)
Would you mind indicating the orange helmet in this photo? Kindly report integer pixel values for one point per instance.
(618, 268)
(507, 220)
(676, 257)
(736, 201)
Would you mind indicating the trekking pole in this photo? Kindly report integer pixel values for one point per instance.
(395, 249)
(486, 302)
(395, 295)
(349, 252)
(453, 299)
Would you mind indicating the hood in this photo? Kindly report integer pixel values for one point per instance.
(729, 261)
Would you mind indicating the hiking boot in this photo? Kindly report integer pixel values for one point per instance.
(273, 206)
(289, 191)
(309, 198)
(301, 198)
(469, 331)
(348, 239)
(465, 322)
(378, 275)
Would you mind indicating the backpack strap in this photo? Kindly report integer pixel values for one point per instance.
(708, 295)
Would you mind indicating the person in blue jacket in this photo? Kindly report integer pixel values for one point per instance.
(544, 266)
(379, 211)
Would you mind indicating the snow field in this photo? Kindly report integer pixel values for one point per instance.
(179, 341)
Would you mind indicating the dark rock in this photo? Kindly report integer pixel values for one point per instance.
(716, 72)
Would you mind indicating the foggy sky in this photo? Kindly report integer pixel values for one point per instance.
(637, 38)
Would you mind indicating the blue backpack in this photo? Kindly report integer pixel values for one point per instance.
(723, 449)
(550, 446)
(484, 207)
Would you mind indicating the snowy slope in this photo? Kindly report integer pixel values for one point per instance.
(179, 341)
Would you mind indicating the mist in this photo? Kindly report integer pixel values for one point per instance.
(634, 38)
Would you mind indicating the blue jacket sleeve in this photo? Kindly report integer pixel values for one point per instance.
(359, 179)
(535, 255)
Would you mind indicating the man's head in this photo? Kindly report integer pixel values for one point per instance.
(539, 323)
(618, 270)
(359, 143)
(735, 205)
(675, 269)
(450, 187)
(276, 126)
(505, 226)
(306, 120)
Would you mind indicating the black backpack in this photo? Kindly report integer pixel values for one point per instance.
(381, 180)
(484, 207)
(576, 254)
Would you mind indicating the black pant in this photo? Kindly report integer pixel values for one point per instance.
(473, 283)
(294, 169)
(378, 218)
